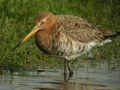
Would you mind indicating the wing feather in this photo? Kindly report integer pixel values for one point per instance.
(78, 28)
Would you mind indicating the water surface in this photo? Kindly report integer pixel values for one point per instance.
(87, 76)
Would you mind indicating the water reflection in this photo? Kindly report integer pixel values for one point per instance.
(88, 75)
(78, 86)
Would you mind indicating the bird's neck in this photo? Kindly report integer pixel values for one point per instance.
(44, 39)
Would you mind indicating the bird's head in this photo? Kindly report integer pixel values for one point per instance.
(44, 21)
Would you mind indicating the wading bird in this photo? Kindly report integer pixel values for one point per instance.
(67, 36)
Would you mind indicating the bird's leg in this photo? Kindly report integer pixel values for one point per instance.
(68, 73)
(69, 69)
(65, 69)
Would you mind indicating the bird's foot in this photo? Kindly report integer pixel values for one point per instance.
(71, 73)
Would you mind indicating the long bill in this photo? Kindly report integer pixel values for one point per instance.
(34, 30)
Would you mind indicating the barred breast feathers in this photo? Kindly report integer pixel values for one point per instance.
(68, 47)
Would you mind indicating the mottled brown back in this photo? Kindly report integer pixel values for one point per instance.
(80, 29)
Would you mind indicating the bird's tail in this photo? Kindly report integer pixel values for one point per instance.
(109, 33)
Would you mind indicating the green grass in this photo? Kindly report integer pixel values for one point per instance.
(17, 18)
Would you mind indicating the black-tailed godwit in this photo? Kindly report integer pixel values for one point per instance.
(67, 36)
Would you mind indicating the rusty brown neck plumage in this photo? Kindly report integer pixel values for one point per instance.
(44, 39)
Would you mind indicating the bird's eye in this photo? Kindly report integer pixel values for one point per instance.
(40, 23)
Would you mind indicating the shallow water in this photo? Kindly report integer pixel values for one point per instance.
(87, 76)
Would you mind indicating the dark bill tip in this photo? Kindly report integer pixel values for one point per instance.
(18, 44)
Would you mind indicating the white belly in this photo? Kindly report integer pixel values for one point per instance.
(88, 46)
